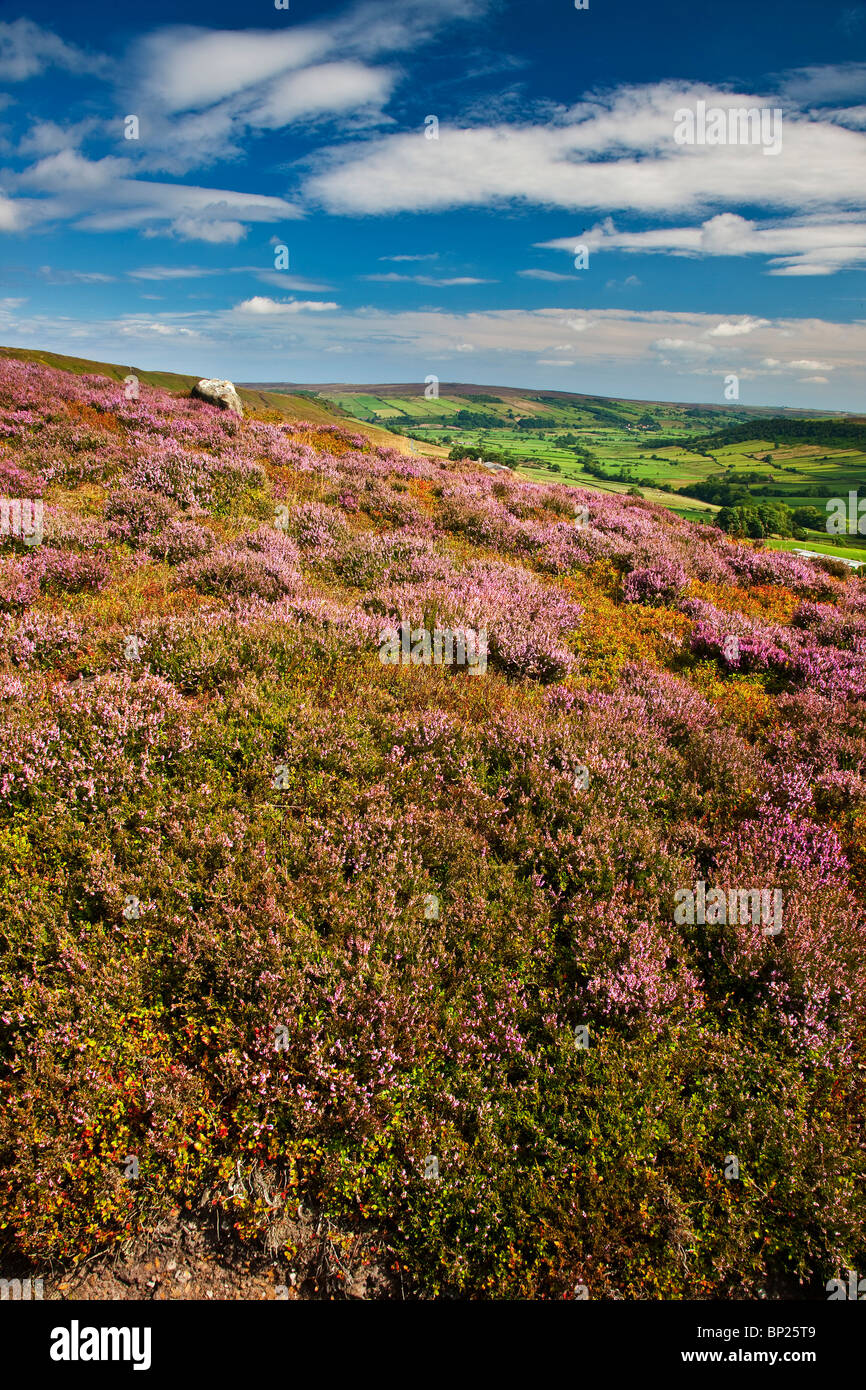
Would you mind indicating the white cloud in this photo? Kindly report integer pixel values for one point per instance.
(260, 304)
(615, 152)
(12, 214)
(135, 328)
(391, 277)
(95, 195)
(814, 245)
(47, 137)
(69, 171)
(686, 345)
(736, 329)
(205, 88)
(26, 50)
(329, 87)
(218, 232)
(185, 69)
(544, 275)
(801, 268)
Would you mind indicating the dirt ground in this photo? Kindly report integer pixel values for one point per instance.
(187, 1259)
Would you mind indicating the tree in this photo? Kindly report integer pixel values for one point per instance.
(741, 521)
(775, 518)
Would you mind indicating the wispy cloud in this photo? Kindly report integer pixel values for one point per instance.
(549, 275)
(60, 276)
(207, 89)
(392, 277)
(26, 51)
(281, 278)
(814, 245)
(824, 83)
(98, 195)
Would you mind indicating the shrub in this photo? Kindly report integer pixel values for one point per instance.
(180, 541)
(133, 514)
(261, 565)
(659, 584)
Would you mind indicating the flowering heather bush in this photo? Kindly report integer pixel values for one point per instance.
(69, 572)
(180, 541)
(815, 657)
(18, 482)
(659, 584)
(263, 565)
(90, 746)
(319, 531)
(777, 567)
(19, 583)
(390, 558)
(38, 639)
(134, 514)
(385, 503)
(831, 627)
(189, 476)
(526, 622)
(70, 530)
(469, 508)
(283, 921)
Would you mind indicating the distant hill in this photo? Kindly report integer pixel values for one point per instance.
(357, 400)
(848, 431)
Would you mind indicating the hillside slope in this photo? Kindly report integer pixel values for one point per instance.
(535, 974)
(261, 403)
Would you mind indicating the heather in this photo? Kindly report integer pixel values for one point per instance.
(277, 917)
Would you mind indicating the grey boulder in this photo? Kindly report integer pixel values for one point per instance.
(221, 393)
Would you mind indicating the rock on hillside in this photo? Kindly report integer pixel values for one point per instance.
(221, 393)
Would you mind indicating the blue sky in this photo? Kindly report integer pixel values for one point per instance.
(308, 128)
